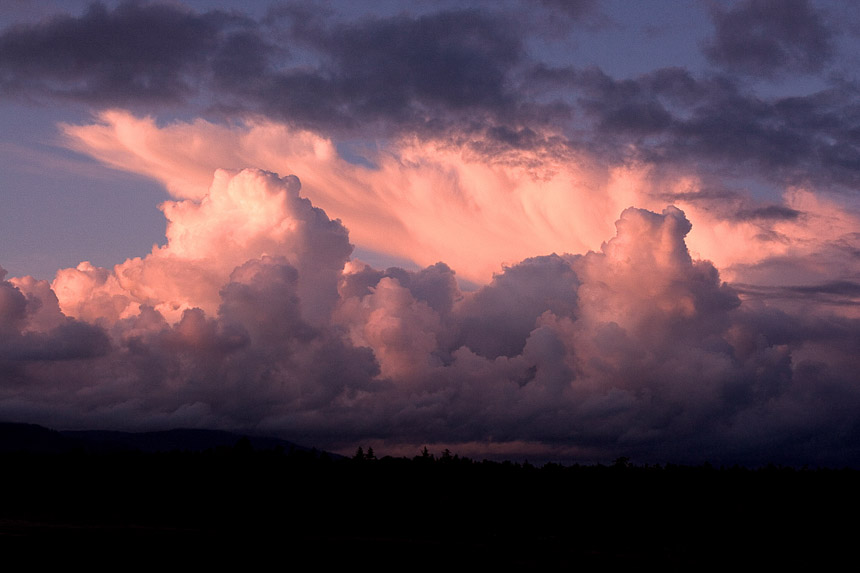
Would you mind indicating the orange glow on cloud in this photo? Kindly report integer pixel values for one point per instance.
(243, 216)
(430, 201)
(425, 201)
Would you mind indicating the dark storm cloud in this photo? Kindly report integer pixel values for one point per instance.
(415, 72)
(706, 194)
(71, 340)
(622, 106)
(68, 339)
(842, 293)
(462, 74)
(813, 136)
(846, 288)
(766, 37)
(573, 9)
(402, 69)
(135, 53)
(770, 212)
(673, 117)
(491, 326)
(434, 285)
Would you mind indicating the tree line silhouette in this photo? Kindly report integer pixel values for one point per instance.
(492, 513)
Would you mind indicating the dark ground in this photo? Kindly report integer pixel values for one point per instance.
(239, 504)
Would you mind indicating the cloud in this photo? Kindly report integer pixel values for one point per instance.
(839, 297)
(773, 212)
(637, 347)
(244, 215)
(669, 117)
(402, 70)
(442, 138)
(491, 326)
(34, 329)
(184, 336)
(578, 10)
(419, 200)
(135, 53)
(417, 72)
(768, 37)
(465, 77)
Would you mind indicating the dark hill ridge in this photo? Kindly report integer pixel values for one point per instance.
(180, 439)
(35, 439)
(109, 495)
(16, 437)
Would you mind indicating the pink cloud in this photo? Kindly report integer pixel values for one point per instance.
(423, 201)
(244, 216)
(253, 316)
(429, 201)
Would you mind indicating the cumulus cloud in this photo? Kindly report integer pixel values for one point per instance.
(243, 216)
(185, 336)
(34, 329)
(637, 347)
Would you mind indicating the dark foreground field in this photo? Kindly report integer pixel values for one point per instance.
(241, 504)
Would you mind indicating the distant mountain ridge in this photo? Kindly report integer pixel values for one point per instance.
(17, 437)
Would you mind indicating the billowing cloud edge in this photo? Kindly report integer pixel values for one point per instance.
(253, 316)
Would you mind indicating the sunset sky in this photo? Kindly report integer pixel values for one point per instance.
(529, 229)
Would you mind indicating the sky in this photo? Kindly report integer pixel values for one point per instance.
(531, 229)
